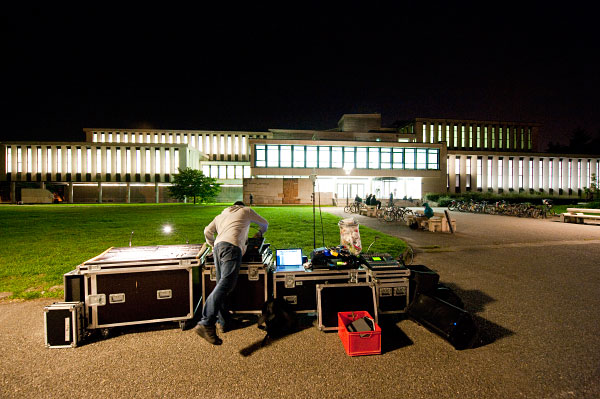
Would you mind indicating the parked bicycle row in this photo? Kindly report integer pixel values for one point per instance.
(390, 213)
(524, 209)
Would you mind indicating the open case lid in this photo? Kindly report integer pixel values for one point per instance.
(187, 254)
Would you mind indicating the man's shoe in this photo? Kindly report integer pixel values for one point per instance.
(209, 333)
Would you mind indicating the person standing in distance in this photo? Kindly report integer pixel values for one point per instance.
(231, 228)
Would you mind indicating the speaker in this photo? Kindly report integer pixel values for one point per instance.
(453, 324)
(423, 280)
(446, 294)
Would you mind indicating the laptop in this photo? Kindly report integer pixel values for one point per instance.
(289, 259)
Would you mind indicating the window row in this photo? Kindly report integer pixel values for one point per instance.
(208, 144)
(301, 156)
(226, 171)
(518, 173)
(91, 160)
(479, 136)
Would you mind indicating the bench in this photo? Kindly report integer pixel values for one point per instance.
(369, 210)
(578, 215)
(439, 223)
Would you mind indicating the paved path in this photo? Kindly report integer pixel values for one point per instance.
(533, 286)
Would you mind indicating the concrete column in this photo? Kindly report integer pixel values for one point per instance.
(575, 176)
(484, 174)
(584, 174)
(565, 176)
(505, 175)
(128, 194)
(494, 182)
(554, 183)
(463, 172)
(70, 192)
(545, 177)
(451, 173)
(535, 184)
(13, 192)
(99, 192)
(156, 192)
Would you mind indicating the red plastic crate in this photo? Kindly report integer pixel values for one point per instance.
(358, 343)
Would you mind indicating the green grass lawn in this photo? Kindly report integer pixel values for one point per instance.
(39, 243)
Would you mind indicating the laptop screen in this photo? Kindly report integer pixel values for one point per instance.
(289, 257)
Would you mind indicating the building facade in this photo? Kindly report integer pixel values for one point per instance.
(358, 157)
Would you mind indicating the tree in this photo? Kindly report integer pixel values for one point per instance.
(192, 183)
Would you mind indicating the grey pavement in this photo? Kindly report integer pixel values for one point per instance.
(533, 286)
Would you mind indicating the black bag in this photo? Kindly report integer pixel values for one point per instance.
(278, 317)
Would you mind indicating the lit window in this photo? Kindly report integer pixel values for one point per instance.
(156, 138)
(286, 156)
(336, 157)
(167, 162)
(95, 139)
(478, 136)
(489, 171)
(324, 154)
(58, 160)
(79, 159)
(39, 160)
(176, 161)
(409, 158)
(222, 172)
(386, 158)
(125, 137)
(148, 138)
(30, 160)
(148, 161)
(157, 161)
(49, 159)
(348, 157)
(421, 158)
(311, 156)
(69, 160)
(462, 136)
(236, 145)
(178, 139)
(510, 176)
(9, 160)
(118, 160)
(298, 156)
(500, 137)
(243, 145)
(272, 156)
(98, 160)
(230, 171)
(128, 160)
(246, 172)
(447, 134)
(214, 171)
(102, 137)
(431, 133)
(206, 170)
(374, 158)
(163, 138)
(222, 145)
(470, 136)
(229, 144)
(170, 138)
(440, 132)
(398, 158)
(457, 172)
(108, 160)
(468, 170)
(239, 172)
(433, 156)
(521, 175)
(118, 136)
(260, 156)
(110, 137)
(570, 174)
(551, 173)
(500, 172)
(193, 140)
(361, 157)
(215, 143)
(479, 172)
(133, 137)
(455, 136)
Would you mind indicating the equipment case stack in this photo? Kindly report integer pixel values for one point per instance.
(137, 285)
(299, 288)
(391, 281)
(253, 285)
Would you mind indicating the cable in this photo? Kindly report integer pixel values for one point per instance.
(321, 216)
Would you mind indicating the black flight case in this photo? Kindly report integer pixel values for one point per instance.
(137, 285)
(391, 281)
(299, 287)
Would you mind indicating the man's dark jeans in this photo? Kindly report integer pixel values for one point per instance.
(228, 259)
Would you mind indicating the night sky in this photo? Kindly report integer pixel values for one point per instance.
(295, 65)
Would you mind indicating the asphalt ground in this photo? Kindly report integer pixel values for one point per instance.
(532, 286)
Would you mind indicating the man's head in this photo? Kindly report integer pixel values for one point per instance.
(239, 203)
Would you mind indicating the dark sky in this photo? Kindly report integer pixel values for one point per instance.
(295, 65)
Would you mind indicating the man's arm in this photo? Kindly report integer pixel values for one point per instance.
(209, 233)
(259, 220)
